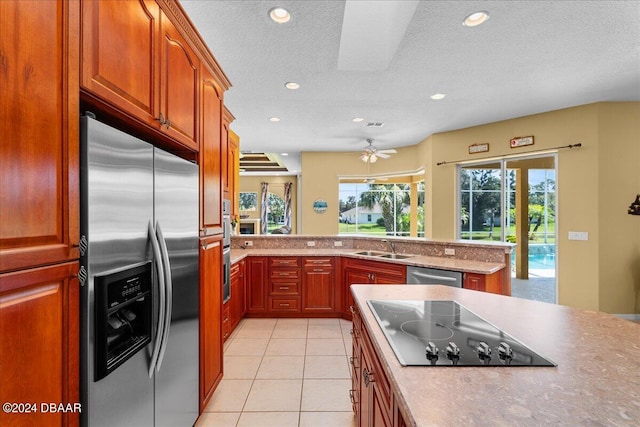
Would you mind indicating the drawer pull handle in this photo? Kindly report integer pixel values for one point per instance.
(352, 396)
(284, 305)
(368, 377)
(352, 309)
(284, 288)
(318, 269)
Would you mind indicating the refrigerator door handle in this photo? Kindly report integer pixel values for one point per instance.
(161, 309)
(169, 299)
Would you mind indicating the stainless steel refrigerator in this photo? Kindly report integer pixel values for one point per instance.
(140, 282)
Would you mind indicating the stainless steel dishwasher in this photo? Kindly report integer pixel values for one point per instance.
(433, 276)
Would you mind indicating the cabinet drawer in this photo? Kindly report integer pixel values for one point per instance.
(284, 261)
(285, 273)
(318, 261)
(284, 304)
(284, 287)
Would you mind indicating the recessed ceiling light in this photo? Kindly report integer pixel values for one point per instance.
(437, 96)
(274, 119)
(357, 119)
(476, 18)
(292, 85)
(284, 154)
(279, 15)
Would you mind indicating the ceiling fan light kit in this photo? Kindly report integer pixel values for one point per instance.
(371, 154)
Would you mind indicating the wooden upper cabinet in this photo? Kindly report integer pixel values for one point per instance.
(39, 122)
(233, 172)
(179, 86)
(136, 60)
(119, 54)
(210, 155)
(227, 118)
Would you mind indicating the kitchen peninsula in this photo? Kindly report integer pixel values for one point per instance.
(310, 276)
(595, 382)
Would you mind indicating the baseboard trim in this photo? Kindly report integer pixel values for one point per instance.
(632, 317)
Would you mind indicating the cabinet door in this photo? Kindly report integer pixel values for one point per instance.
(120, 55)
(210, 317)
(39, 354)
(39, 106)
(256, 276)
(234, 285)
(241, 292)
(233, 166)
(352, 277)
(210, 156)
(388, 279)
(317, 289)
(179, 84)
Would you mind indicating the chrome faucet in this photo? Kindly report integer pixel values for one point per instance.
(391, 245)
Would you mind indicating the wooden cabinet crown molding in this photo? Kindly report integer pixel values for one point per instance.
(179, 17)
(227, 116)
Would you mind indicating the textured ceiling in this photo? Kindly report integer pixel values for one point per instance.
(530, 57)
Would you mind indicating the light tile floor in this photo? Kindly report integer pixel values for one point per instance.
(284, 372)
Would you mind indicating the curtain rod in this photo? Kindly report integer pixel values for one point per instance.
(578, 145)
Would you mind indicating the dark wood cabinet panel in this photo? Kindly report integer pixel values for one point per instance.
(233, 165)
(211, 331)
(256, 284)
(372, 393)
(366, 272)
(39, 354)
(484, 282)
(39, 122)
(179, 86)
(119, 54)
(318, 285)
(210, 155)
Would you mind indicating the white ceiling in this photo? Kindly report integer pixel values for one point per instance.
(530, 57)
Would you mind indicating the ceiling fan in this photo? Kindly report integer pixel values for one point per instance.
(371, 154)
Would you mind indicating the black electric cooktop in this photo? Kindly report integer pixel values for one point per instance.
(445, 333)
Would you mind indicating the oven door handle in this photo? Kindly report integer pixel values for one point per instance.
(161, 291)
(169, 297)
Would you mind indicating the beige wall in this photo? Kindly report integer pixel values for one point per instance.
(619, 182)
(276, 186)
(596, 184)
(320, 181)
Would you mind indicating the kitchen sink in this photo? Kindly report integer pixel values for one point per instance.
(371, 253)
(395, 256)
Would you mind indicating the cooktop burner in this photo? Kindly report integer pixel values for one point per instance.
(445, 333)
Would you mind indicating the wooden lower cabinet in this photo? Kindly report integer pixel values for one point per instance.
(211, 329)
(485, 283)
(318, 284)
(371, 392)
(39, 352)
(256, 284)
(237, 301)
(365, 272)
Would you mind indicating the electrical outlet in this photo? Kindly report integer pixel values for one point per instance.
(248, 243)
(578, 235)
(449, 251)
(337, 243)
(311, 243)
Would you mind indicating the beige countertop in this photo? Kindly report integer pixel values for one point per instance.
(467, 266)
(596, 382)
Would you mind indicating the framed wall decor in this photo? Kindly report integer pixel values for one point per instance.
(521, 141)
(320, 206)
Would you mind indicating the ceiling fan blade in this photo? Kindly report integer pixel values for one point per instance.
(388, 151)
(382, 155)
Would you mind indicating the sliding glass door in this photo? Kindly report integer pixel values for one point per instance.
(514, 200)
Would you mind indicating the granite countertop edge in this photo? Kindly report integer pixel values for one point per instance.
(444, 263)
